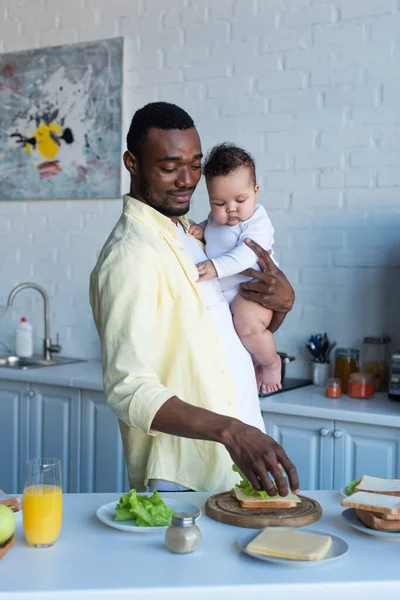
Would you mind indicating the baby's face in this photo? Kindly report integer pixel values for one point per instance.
(232, 197)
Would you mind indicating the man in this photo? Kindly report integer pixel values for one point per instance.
(175, 372)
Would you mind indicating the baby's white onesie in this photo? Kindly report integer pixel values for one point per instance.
(230, 255)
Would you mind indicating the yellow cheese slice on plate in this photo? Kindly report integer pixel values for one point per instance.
(282, 542)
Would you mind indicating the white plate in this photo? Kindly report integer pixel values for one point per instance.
(349, 515)
(343, 492)
(338, 548)
(106, 514)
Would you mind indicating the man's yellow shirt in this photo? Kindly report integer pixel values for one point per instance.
(159, 340)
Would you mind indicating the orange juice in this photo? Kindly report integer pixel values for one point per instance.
(42, 514)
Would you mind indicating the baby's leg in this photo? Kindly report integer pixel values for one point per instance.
(251, 321)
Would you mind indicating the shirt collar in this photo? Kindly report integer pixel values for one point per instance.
(151, 217)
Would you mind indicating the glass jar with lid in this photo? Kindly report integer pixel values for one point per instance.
(333, 388)
(375, 357)
(361, 385)
(182, 536)
(347, 361)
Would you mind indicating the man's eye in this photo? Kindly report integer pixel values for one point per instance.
(165, 170)
(196, 167)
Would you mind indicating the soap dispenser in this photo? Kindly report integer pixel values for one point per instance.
(24, 339)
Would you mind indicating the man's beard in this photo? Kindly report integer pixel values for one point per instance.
(161, 205)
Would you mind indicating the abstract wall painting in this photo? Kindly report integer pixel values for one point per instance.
(61, 121)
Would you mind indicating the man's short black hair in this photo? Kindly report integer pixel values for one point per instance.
(226, 158)
(161, 115)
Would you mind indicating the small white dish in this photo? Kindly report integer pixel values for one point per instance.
(106, 515)
(349, 515)
(343, 492)
(338, 549)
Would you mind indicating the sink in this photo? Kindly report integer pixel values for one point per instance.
(35, 362)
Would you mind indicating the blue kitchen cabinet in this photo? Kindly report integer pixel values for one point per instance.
(54, 429)
(102, 465)
(365, 449)
(13, 435)
(330, 454)
(309, 445)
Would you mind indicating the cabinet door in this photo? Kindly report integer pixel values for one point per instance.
(13, 436)
(365, 449)
(103, 464)
(309, 445)
(54, 429)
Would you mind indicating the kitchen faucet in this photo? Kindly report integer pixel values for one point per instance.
(48, 347)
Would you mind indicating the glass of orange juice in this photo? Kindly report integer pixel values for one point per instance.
(42, 502)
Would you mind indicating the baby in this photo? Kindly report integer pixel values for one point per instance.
(231, 183)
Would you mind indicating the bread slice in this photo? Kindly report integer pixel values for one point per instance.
(271, 503)
(378, 485)
(378, 503)
(282, 542)
(4, 548)
(394, 517)
(371, 520)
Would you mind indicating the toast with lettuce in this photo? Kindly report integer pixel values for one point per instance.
(248, 497)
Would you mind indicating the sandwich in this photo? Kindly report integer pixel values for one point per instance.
(378, 485)
(7, 529)
(250, 498)
(13, 503)
(291, 544)
(376, 502)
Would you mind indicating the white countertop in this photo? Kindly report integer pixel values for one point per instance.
(84, 375)
(93, 561)
(311, 401)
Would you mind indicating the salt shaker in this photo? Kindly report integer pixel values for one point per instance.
(182, 536)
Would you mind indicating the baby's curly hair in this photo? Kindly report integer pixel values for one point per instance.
(226, 158)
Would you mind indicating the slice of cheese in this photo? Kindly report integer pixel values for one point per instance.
(243, 497)
(282, 542)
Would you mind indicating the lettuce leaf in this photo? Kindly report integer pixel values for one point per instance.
(248, 488)
(146, 511)
(351, 487)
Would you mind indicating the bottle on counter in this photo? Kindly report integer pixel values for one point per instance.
(375, 357)
(24, 339)
(361, 385)
(333, 388)
(182, 536)
(347, 361)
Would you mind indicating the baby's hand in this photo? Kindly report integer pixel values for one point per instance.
(206, 270)
(196, 231)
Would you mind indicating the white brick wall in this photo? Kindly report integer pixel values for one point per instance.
(311, 87)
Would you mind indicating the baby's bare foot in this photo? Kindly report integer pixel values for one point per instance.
(271, 377)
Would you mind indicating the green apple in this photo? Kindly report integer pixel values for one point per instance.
(7, 523)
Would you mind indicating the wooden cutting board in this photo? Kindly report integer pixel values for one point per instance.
(225, 509)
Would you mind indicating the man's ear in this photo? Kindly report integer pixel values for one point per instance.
(130, 162)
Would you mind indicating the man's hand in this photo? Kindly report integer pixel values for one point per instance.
(257, 455)
(196, 231)
(206, 270)
(272, 289)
